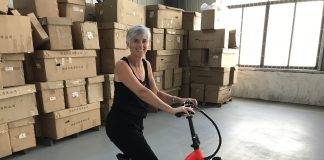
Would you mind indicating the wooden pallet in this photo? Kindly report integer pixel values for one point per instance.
(220, 104)
(50, 142)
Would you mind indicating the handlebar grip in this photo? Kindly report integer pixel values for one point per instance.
(188, 104)
(180, 114)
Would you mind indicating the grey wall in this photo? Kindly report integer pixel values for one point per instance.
(294, 87)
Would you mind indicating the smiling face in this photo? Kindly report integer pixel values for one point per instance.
(138, 45)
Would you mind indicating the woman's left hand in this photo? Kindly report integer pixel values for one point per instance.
(193, 100)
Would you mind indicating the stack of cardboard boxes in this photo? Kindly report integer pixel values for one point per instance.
(212, 56)
(191, 21)
(167, 41)
(63, 67)
(114, 18)
(17, 99)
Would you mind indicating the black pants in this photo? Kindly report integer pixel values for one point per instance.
(126, 132)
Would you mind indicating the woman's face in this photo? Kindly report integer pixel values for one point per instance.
(138, 45)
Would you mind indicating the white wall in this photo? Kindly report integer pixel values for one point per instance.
(284, 86)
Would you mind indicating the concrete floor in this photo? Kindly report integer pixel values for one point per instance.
(251, 130)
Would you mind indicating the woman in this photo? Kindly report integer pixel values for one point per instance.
(135, 89)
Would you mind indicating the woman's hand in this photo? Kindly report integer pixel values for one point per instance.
(186, 110)
(192, 100)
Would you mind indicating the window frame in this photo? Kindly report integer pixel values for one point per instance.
(320, 58)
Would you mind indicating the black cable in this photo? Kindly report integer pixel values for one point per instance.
(218, 132)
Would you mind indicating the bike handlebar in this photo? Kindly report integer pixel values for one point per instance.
(186, 104)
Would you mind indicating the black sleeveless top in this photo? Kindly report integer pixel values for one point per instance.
(126, 101)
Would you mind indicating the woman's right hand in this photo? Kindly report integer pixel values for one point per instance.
(186, 110)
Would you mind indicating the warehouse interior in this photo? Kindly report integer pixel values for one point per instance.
(254, 66)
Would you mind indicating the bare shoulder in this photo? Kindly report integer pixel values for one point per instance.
(120, 66)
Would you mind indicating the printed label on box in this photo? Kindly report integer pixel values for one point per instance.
(75, 94)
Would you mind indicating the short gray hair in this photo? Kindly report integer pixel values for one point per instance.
(138, 30)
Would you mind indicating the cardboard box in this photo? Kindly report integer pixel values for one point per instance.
(209, 39)
(22, 134)
(177, 77)
(85, 35)
(167, 78)
(197, 91)
(213, 19)
(50, 96)
(198, 57)
(60, 124)
(41, 8)
(109, 88)
(4, 7)
(5, 147)
(163, 59)
(157, 41)
(194, 57)
(59, 32)
(105, 107)
(206, 75)
(73, 9)
(191, 21)
(12, 70)
(173, 91)
(220, 57)
(217, 94)
(109, 57)
(39, 35)
(1, 83)
(112, 35)
(124, 12)
(64, 65)
(17, 103)
(158, 78)
(75, 94)
(234, 39)
(94, 89)
(185, 90)
(173, 39)
(233, 75)
(160, 16)
(15, 34)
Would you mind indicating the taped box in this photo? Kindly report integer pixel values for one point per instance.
(63, 65)
(94, 88)
(15, 34)
(50, 96)
(17, 103)
(60, 124)
(22, 134)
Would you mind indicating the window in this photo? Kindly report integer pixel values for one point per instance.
(234, 17)
(235, 2)
(252, 35)
(279, 34)
(306, 34)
